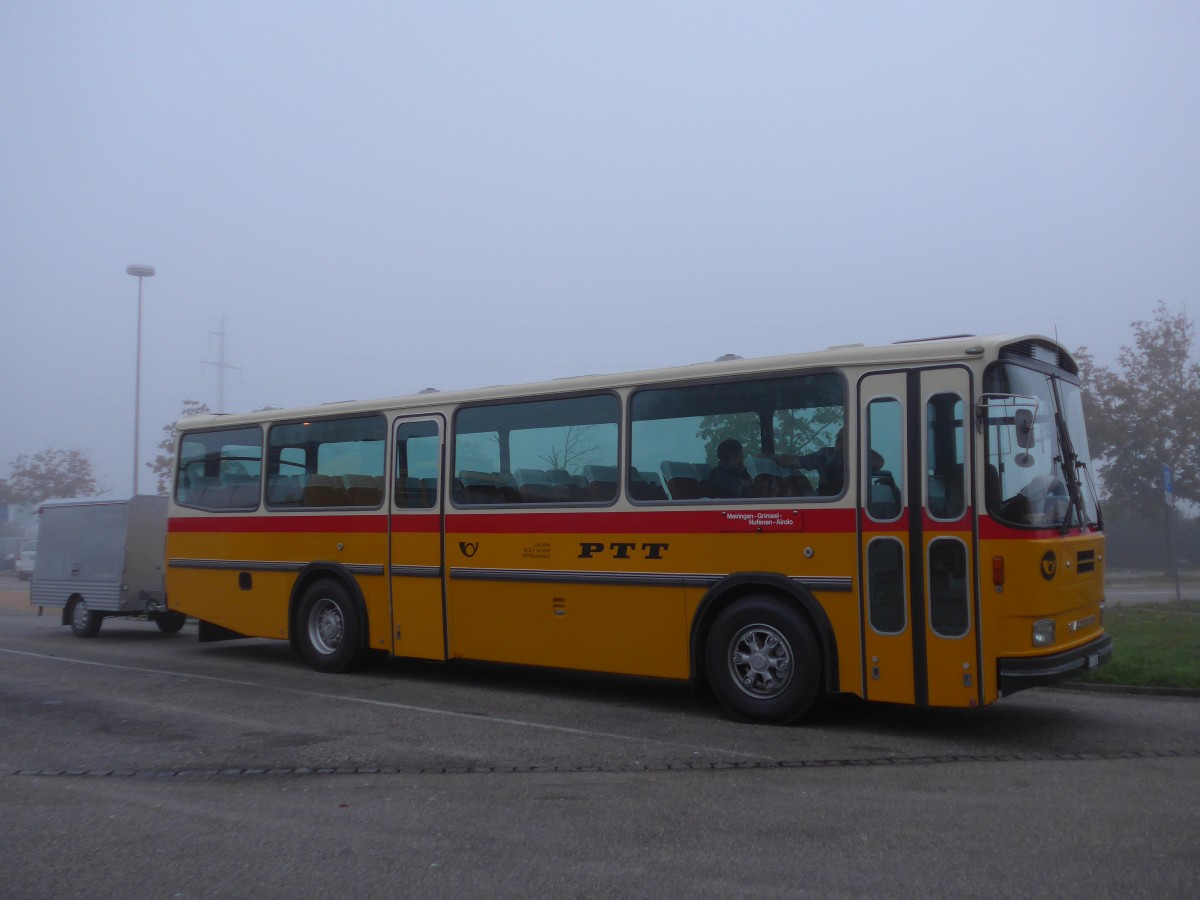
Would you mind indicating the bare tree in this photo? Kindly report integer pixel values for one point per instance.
(578, 445)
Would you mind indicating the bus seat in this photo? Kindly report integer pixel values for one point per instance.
(506, 487)
(363, 490)
(602, 482)
(534, 486)
(284, 490)
(796, 484)
(243, 495)
(324, 490)
(766, 476)
(646, 486)
(488, 488)
(569, 487)
(683, 481)
(478, 488)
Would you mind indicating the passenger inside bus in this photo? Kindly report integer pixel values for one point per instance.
(828, 462)
(729, 477)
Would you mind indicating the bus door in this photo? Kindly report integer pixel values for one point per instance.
(920, 642)
(416, 562)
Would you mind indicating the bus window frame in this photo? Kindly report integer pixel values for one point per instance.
(276, 509)
(451, 489)
(848, 462)
(217, 429)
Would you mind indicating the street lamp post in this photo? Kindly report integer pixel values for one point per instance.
(138, 272)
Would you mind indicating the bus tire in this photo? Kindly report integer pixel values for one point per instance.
(329, 628)
(763, 661)
(169, 621)
(85, 623)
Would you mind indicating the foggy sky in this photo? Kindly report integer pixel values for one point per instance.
(374, 198)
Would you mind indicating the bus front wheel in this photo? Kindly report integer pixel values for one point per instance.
(763, 661)
(329, 627)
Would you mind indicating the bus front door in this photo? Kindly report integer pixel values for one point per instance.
(416, 563)
(916, 532)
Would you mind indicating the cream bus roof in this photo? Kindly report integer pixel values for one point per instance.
(959, 348)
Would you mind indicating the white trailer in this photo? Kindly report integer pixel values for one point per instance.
(99, 558)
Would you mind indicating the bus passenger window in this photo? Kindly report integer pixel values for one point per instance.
(538, 452)
(786, 428)
(326, 463)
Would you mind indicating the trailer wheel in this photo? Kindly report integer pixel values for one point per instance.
(169, 621)
(329, 628)
(85, 623)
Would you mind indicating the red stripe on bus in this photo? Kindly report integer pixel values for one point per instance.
(765, 520)
(278, 524)
(665, 522)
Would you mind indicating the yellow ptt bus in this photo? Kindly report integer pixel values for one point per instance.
(915, 523)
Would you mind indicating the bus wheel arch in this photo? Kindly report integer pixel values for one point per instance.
(328, 619)
(745, 612)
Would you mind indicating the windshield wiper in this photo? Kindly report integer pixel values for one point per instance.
(1069, 462)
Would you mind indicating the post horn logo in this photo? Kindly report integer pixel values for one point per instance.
(1049, 565)
(468, 549)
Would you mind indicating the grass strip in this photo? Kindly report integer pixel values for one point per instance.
(1155, 646)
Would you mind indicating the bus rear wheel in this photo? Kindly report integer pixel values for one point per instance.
(329, 628)
(169, 621)
(763, 661)
(85, 623)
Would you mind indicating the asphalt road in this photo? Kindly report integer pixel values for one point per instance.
(142, 764)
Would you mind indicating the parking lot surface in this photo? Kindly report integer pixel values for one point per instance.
(149, 764)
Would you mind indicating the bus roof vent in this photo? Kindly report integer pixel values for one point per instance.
(1043, 351)
(429, 391)
(728, 357)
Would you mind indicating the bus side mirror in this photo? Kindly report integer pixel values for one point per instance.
(1024, 422)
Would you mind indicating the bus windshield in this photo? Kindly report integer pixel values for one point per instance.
(1038, 464)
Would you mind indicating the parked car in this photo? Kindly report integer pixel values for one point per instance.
(8, 552)
(25, 558)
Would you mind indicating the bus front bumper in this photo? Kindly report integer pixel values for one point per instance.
(1018, 673)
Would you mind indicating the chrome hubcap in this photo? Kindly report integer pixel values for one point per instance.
(79, 615)
(760, 661)
(326, 627)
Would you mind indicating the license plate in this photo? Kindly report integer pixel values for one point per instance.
(1093, 660)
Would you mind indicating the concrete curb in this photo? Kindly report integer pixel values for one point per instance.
(1129, 689)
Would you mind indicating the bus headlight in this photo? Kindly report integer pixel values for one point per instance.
(1043, 632)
